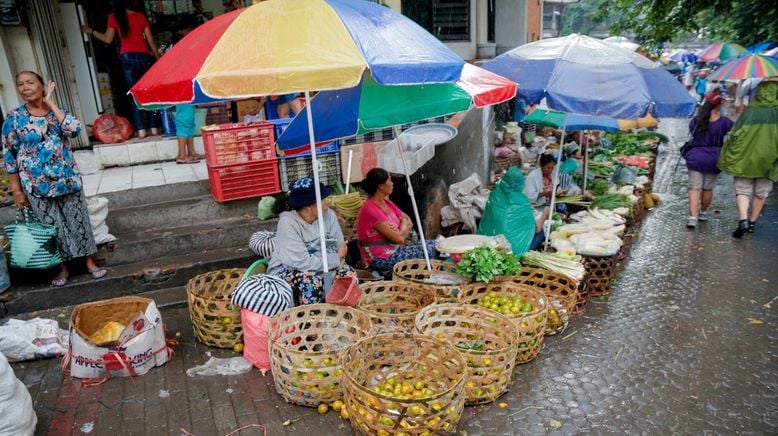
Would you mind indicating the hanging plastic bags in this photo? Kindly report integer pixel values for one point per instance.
(508, 212)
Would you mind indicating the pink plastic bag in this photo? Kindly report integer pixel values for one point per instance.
(255, 346)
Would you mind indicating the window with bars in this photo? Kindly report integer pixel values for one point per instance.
(451, 20)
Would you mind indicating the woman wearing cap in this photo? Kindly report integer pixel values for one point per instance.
(382, 227)
(297, 257)
(573, 158)
(708, 129)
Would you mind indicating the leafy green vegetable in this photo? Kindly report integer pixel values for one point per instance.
(611, 201)
(598, 187)
(484, 262)
(475, 345)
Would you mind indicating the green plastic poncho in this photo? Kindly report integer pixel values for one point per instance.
(508, 212)
(751, 150)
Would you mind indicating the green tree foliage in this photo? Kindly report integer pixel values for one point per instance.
(654, 22)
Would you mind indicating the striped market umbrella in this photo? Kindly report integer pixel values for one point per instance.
(721, 51)
(290, 46)
(747, 67)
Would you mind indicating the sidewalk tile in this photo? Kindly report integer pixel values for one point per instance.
(91, 183)
(115, 179)
(177, 173)
(147, 175)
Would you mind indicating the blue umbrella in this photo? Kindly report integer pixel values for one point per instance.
(585, 75)
(760, 47)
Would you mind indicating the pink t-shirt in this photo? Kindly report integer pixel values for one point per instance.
(133, 41)
(371, 215)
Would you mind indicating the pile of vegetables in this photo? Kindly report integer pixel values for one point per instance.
(484, 262)
(598, 187)
(611, 201)
(565, 263)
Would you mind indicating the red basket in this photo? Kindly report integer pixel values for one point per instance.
(234, 143)
(244, 180)
(345, 292)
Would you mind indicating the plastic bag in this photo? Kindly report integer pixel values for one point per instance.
(18, 417)
(98, 213)
(216, 366)
(509, 212)
(109, 333)
(33, 339)
(265, 208)
(110, 129)
(255, 328)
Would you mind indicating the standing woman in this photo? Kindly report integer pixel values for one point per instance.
(136, 52)
(708, 129)
(43, 173)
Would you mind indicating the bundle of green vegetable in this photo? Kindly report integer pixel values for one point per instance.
(562, 263)
(598, 187)
(611, 201)
(484, 262)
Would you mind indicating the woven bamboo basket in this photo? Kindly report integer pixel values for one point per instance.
(215, 320)
(556, 286)
(599, 270)
(583, 297)
(531, 325)
(415, 271)
(393, 305)
(488, 370)
(391, 359)
(305, 346)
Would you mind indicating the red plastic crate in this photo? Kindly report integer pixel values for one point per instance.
(228, 144)
(244, 180)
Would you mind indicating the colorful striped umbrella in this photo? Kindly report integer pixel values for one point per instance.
(289, 46)
(747, 67)
(721, 51)
(286, 46)
(370, 106)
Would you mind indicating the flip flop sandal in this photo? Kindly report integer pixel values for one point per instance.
(98, 273)
(59, 281)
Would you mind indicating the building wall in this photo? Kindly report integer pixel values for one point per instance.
(534, 20)
(16, 54)
(510, 24)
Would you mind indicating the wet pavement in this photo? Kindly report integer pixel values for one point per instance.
(686, 344)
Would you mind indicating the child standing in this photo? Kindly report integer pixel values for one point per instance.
(185, 113)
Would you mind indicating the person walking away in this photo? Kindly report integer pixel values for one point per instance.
(751, 155)
(43, 173)
(708, 129)
(137, 53)
(688, 78)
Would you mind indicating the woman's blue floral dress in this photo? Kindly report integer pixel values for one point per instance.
(36, 148)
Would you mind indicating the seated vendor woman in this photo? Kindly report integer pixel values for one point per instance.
(382, 227)
(539, 183)
(297, 257)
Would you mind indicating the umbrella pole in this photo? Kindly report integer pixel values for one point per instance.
(422, 239)
(585, 144)
(348, 170)
(555, 180)
(315, 164)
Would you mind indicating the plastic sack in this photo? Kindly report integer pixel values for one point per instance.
(18, 417)
(216, 366)
(255, 328)
(508, 212)
(33, 339)
(264, 294)
(98, 213)
(111, 129)
(265, 208)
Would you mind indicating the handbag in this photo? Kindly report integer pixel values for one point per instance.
(688, 144)
(33, 243)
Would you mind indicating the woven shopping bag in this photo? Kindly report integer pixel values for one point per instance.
(33, 243)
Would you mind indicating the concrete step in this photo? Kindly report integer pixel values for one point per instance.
(151, 277)
(160, 243)
(187, 211)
